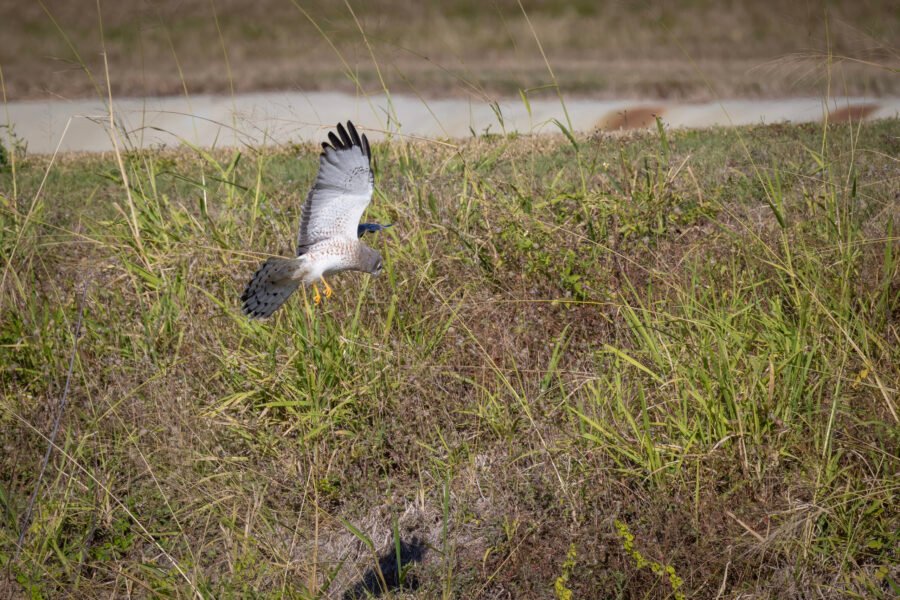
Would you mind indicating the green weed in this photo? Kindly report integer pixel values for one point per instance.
(641, 562)
(568, 566)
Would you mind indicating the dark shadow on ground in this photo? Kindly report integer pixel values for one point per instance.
(370, 584)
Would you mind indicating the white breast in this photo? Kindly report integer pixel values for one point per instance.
(327, 257)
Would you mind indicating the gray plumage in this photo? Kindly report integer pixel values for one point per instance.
(342, 191)
(270, 287)
(328, 240)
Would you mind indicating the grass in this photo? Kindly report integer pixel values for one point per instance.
(459, 47)
(655, 365)
(688, 337)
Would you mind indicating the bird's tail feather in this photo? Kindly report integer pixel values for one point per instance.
(274, 281)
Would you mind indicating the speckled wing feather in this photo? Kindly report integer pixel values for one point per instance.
(273, 282)
(342, 191)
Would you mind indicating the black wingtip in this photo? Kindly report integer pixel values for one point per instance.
(354, 135)
(335, 141)
(346, 138)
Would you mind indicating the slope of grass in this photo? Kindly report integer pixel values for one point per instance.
(661, 365)
(662, 49)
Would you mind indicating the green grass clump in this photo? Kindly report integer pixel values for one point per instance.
(694, 333)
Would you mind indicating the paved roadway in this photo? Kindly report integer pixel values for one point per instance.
(278, 118)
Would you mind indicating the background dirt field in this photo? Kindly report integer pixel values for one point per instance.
(676, 50)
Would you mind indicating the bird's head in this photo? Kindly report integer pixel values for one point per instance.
(371, 261)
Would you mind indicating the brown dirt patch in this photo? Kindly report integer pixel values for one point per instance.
(854, 113)
(631, 118)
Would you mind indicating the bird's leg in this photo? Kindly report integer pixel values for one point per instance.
(328, 290)
(317, 297)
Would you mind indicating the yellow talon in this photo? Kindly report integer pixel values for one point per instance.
(328, 290)
(317, 297)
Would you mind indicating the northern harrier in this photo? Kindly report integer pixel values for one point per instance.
(328, 241)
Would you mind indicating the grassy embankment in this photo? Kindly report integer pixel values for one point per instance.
(692, 337)
(672, 49)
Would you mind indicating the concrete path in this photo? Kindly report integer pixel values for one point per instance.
(277, 118)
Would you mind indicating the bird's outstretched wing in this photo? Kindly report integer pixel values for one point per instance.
(342, 190)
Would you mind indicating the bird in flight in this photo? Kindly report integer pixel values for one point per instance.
(329, 238)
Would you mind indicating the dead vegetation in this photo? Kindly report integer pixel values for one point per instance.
(666, 50)
(692, 335)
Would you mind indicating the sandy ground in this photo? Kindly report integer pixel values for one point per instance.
(274, 71)
(278, 118)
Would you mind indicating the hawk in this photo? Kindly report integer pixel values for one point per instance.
(329, 238)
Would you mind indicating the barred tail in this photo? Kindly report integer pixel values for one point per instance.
(271, 285)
